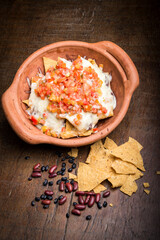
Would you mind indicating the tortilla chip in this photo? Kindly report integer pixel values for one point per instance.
(129, 187)
(88, 177)
(122, 167)
(26, 102)
(99, 188)
(72, 176)
(137, 175)
(129, 153)
(49, 63)
(117, 180)
(111, 204)
(133, 141)
(147, 191)
(146, 184)
(73, 152)
(96, 147)
(109, 144)
(158, 172)
(71, 131)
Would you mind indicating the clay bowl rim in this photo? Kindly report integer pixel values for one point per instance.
(111, 51)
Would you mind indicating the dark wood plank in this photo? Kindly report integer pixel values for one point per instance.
(25, 27)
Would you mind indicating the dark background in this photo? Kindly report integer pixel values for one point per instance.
(26, 26)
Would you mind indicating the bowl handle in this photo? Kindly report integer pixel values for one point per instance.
(122, 57)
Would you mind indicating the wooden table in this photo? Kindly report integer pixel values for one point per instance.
(25, 27)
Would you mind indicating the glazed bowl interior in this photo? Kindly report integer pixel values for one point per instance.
(31, 69)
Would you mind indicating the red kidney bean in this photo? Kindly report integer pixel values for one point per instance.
(87, 199)
(36, 166)
(52, 169)
(90, 193)
(80, 206)
(76, 212)
(98, 197)
(61, 186)
(52, 175)
(91, 201)
(37, 170)
(80, 199)
(36, 174)
(106, 194)
(69, 187)
(46, 202)
(80, 193)
(48, 192)
(75, 186)
(63, 200)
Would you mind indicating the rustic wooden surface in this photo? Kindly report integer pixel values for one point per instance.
(25, 27)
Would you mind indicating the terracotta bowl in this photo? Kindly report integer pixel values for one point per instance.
(124, 81)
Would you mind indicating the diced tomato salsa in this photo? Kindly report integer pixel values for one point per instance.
(71, 90)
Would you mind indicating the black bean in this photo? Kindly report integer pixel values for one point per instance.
(30, 178)
(64, 178)
(43, 168)
(67, 215)
(105, 204)
(49, 197)
(63, 159)
(59, 154)
(45, 182)
(46, 168)
(63, 173)
(67, 157)
(45, 206)
(43, 196)
(99, 205)
(50, 183)
(72, 158)
(63, 164)
(27, 157)
(73, 165)
(66, 190)
(55, 200)
(58, 182)
(74, 203)
(66, 181)
(88, 217)
(70, 170)
(72, 181)
(33, 203)
(63, 169)
(59, 173)
(71, 161)
(37, 199)
(60, 197)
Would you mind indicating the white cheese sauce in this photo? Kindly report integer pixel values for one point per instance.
(38, 106)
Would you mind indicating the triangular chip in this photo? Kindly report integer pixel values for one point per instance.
(122, 167)
(138, 145)
(99, 188)
(147, 191)
(26, 102)
(129, 187)
(72, 176)
(73, 152)
(88, 177)
(95, 148)
(109, 144)
(117, 180)
(146, 184)
(129, 153)
(49, 63)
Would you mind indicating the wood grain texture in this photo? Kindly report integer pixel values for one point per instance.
(133, 25)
